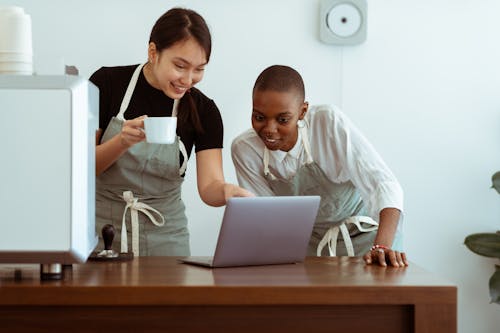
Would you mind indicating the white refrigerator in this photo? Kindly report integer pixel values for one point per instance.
(47, 169)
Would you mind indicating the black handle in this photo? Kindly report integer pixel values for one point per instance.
(108, 233)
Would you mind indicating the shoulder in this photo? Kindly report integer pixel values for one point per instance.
(248, 136)
(203, 102)
(198, 95)
(247, 152)
(112, 75)
(247, 140)
(325, 112)
(116, 70)
(327, 119)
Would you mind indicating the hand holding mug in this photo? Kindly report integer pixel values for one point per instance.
(132, 131)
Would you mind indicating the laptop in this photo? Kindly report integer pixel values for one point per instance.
(262, 231)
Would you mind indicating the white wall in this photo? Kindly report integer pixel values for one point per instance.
(424, 88)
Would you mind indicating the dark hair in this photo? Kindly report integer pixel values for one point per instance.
(176, 25)
(282, 79)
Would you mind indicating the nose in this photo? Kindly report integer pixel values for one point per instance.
(187, 78)
(270, 127)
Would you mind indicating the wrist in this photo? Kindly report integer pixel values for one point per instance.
(379, 247)
(123, 143)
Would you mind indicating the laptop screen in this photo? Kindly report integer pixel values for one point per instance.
(265, 230)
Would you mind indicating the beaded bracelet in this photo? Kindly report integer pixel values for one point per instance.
(378, 246)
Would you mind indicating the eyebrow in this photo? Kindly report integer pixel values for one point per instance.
(187, 62)
(287, 113)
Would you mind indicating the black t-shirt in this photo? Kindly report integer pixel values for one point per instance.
(113, 82)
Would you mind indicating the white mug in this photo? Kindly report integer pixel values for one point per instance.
(160, 129)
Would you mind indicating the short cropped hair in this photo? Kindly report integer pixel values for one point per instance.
(281, 79)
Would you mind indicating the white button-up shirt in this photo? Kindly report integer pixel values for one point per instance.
(337, 146)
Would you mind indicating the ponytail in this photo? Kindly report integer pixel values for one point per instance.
(187, 113)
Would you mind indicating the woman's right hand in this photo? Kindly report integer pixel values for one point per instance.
(132, 131)
(231, 190)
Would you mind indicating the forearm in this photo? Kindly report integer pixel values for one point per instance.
(210, 178)
(107, 153)
(388, 224)
(212, 187)
(132, 132)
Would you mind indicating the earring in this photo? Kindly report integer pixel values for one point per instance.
(301, 123)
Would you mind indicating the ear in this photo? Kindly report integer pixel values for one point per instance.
(303, 110)
(152, 54)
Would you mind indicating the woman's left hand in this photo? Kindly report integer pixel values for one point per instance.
(384, 256)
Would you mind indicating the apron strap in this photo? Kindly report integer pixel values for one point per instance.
(174, 107)
(302, 124)
(136, 207)
(266, 164)
(331, 234)
(183, 150)
(129, 92)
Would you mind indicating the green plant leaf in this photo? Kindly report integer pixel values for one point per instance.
(484, 244)
(495, 181)
(495, 286)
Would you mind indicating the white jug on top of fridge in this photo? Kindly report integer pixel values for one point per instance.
(16, 48)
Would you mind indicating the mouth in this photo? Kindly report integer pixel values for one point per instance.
(179, 89)
(271, 143)
(270, 140)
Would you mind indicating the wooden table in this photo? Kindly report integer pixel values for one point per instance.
(157, 294)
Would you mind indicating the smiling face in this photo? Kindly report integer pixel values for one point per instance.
(274, 117)
(176, 69)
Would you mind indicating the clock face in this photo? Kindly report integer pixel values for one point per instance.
(344, 20)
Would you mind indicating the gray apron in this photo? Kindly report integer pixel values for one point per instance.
(140, 194)
(341, 207)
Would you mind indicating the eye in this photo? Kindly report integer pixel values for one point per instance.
(283, 120)
(180, 66)
(258, 117)
(200, 70)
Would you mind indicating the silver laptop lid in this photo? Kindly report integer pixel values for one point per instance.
(265, 230)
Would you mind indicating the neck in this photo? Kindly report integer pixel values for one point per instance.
(148, 74)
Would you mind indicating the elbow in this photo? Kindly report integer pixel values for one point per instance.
(210, 199)
(213, 194)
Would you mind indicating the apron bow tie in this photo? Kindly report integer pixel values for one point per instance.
(135, 207)
(331, 234)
